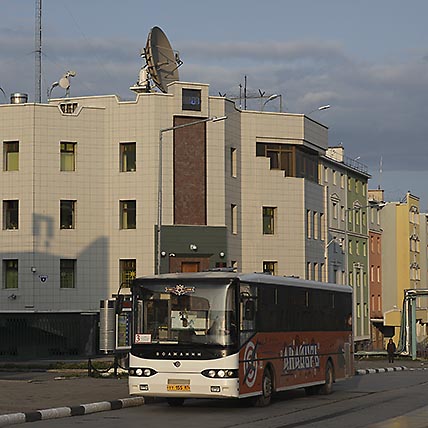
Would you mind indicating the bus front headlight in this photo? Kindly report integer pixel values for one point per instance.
(220, 373)
(141, 372)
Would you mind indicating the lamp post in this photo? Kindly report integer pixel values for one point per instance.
(326, 107)
(159, 225)
(271, 98)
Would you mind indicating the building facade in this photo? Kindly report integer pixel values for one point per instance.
(401, 252)
(346, 253)
(89, 201)
(378, 330)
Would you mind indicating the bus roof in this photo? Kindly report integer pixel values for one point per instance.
(255, 278)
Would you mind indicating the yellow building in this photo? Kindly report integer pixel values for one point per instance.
(401, 259)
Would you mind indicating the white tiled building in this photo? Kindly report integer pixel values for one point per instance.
(80, 197)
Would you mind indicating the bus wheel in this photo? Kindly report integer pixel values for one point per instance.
(175, 402)
(267, 388)
(327, 388)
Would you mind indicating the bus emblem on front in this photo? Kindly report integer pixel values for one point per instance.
(180, 289)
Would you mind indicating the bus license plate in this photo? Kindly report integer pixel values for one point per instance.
(178, 387)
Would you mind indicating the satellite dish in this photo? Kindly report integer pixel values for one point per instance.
(162, 61)
(64, 83)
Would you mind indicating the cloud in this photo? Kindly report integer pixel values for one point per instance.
(378, 107)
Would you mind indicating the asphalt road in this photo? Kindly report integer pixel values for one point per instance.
(370, 401)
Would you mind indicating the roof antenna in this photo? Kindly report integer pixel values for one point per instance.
(38, 53)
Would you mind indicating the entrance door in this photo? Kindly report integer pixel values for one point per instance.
(190, 267)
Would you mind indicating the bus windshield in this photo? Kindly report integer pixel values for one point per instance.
(178, 314)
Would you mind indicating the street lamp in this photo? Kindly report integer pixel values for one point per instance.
(326, 107)
(336, 240)
(271, 98)
(159, 225)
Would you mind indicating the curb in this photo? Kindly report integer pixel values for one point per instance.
(63, 412)
(381, 370)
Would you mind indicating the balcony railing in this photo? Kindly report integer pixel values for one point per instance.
(352, 163)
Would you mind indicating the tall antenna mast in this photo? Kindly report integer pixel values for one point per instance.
(38, 53)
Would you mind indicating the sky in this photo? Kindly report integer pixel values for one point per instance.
(368, 59)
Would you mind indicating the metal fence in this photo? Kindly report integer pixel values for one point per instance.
(26, 336)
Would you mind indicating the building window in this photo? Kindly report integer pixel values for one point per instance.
(233, 162)
(268, 220)
(322, 226)
(191, 99)
(294, 161)
(127, 157)
(68, 156)
(11, 156)
(342, 181)
(128, 271)
(309, 224)
(358, 278)
(316, 225)
(234, 218)
(316, 272)
(335, 210)
(67, 273)
(10, 215)
(128, 214)
(10, 273)
(67, 214)
(270, 267)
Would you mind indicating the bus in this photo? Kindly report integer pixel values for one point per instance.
(232, 335)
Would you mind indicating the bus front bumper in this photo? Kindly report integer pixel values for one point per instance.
(185, 385)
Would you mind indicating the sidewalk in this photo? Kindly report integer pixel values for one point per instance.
(47, 389)
(368, 363)
(29, 391)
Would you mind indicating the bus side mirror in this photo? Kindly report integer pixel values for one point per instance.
(249, 310)
(118, 307)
